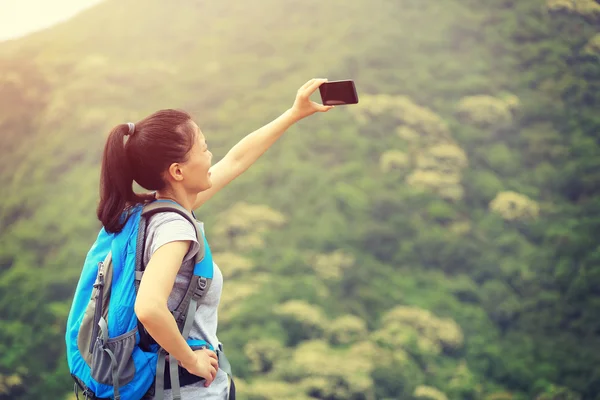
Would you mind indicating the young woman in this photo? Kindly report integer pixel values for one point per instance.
(167, 153)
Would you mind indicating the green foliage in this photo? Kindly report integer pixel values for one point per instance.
(10, 384)
(429, 393)
(264, 354)
(241, 227)
(326, 374)
(332, 266)
(270, 390)
(446, 186)
(347, 330)
(301, 320)
(393, 159)
(237, 266)
(593, 46)
(589, 9)
(554, 392)
(485, 112)
(402, 325)
(416, 122)
(436, 240)
(514, 206)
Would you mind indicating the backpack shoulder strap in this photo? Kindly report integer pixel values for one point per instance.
(148, 211)
(200, 282)
(159, 206)
(198, 286)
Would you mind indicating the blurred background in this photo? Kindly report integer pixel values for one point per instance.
(436, 241)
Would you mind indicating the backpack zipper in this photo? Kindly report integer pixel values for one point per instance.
(99, 286)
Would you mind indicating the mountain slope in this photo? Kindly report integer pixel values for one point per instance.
(436, 238)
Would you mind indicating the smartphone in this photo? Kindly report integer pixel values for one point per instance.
(336, 93)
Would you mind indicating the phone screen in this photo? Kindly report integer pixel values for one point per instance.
(338, 93)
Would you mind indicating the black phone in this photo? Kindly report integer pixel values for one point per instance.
(336, 93)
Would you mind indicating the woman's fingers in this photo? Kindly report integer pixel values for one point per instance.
(310, 89)
(303, 106)
(307, 84)
(213, 375)
(321, 107)
(210, 353)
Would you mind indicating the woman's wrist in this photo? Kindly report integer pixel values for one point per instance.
(190, 360)
(291, 116)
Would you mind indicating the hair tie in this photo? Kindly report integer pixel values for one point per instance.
(131, 126)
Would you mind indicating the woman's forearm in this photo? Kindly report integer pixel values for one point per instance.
(161, 325)
(251, 147)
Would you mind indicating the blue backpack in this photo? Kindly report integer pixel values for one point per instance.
(110, 354)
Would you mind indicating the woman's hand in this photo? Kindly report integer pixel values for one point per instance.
(303, 106)
(205, 366)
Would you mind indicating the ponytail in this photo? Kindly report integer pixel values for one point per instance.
(116, 182)
(153, 144)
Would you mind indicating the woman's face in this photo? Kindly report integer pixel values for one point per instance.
(196, 168)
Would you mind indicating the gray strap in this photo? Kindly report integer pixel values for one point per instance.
(228, 387)
(224, 363)
(159, 384)
(139, 255)
(193, 292)
(189, 319)
(113, 359)
(115, 373)
(138, 276)
(174, 372)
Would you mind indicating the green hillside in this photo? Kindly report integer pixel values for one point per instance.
(436, 241)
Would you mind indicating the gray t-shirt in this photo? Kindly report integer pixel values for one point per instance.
(168, 227)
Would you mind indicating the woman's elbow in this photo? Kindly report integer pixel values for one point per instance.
(146, 310)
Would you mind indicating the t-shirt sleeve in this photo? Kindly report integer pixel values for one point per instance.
(171, 227)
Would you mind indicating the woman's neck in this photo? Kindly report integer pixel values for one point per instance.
(182, 199)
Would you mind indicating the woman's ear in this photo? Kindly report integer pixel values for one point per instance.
(175, 173)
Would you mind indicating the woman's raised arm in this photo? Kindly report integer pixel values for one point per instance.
(251, 147)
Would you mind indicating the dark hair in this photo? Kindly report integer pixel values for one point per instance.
(158, 141)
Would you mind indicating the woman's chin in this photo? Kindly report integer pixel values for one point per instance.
(207, 185)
